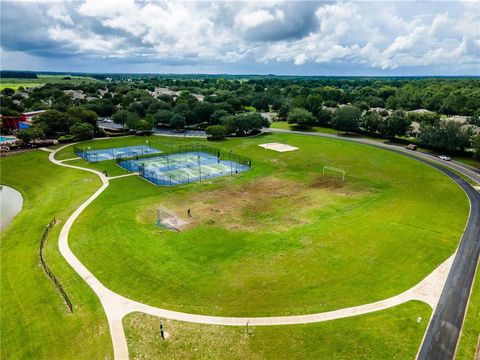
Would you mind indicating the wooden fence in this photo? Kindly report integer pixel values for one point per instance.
(47, 270)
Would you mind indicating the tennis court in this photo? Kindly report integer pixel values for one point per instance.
(95, 155)
(182, 168)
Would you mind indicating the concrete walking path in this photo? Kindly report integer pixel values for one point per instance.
(122, 176)
(71, 159)
(117, 306)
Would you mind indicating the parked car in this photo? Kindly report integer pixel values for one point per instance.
(411, 147)
(444, 157)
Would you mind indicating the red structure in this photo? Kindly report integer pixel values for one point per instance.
(21, 122)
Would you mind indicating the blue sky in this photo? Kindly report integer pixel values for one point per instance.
(243, 37)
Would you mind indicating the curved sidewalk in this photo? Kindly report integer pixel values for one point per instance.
(117, 306)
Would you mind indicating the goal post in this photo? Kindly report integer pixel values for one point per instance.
(334, 169)
(168, 219)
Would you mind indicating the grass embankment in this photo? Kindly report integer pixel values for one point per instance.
(35, 323)
(278, 239)
(470, 338)
(468, 161)
(389, 334)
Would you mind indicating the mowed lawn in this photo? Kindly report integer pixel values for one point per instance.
(470, 336)
(390, 334)
(280, 239)
(35, 323)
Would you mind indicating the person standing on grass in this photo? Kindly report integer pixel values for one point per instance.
(189, 213)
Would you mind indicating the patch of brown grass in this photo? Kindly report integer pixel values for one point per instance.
(267, 203)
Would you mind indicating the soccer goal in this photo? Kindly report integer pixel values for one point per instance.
(169, 220)
(334, 169)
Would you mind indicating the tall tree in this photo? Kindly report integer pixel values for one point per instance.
(346, 119)
(301, 117)
(394, 125)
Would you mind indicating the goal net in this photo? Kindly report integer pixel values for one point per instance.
(169, 220)
(334, 169)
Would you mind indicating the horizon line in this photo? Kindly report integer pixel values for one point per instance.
(240, 74)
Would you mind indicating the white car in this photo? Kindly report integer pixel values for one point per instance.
(108, 120)
(444, 157)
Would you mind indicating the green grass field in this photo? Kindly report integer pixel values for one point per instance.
(15, 86)
(280, 239)
(470, 337)
(35, 323)
(389, 334)
(15, 83)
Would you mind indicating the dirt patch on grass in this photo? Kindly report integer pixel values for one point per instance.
(268, 204)
(327, 182)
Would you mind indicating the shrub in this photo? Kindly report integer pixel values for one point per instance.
(32, 133)
(216, 132)
(66, 139)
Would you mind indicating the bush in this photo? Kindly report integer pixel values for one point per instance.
(66, 139)
(216, 132)
(32, 133)
(101, 133)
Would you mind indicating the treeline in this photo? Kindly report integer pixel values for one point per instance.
(9, 74)
(143, 102)
(433, 132)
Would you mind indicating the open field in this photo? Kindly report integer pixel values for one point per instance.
(15, 86)
(323, 255)
(286, 126)
(35, 322)
(389, 334)
(15, 83)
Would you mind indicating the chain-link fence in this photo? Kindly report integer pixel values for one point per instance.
(185, 164)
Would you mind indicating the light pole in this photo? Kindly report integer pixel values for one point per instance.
(199, 168)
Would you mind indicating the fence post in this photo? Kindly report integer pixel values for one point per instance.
(49, 273)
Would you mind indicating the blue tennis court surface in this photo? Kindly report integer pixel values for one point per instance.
(182, 168)
(95, 155)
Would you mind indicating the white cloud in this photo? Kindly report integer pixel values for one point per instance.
(247, 20)
(385, 35)
(58, 12)
(300, 59)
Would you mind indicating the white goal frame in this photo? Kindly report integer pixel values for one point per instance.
(335, 169)
(170, 219)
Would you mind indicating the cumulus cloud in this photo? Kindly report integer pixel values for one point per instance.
(311, 35)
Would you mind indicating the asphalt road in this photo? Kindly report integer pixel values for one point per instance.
(443, 332)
